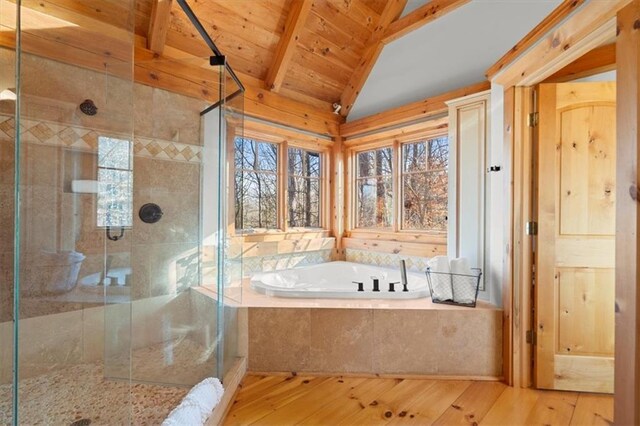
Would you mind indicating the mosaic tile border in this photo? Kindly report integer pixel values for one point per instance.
(81, 138)
(414, 263)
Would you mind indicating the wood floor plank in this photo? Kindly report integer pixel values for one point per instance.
(513, 407)
(288, 400)
(250, 379)
(291, 385)
(553, 408)
(428, 406)
(272, 402)
(253, 390)
(388, 404)
(472, 405)
(296, 410)
(357, 400)
(593, 409)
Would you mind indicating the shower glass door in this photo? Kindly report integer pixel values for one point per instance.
(8, 121)
(118, 261)
(221, 250)
(73, 232)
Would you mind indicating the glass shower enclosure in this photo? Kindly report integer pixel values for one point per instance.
(118, 278)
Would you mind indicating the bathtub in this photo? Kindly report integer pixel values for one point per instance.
(335, 280)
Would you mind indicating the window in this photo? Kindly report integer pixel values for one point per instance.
(303, 188)
(256, 183)
(115, 183)
(403, 187)
(424, 184)
(374, 188)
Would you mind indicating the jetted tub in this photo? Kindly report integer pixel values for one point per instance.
(335, 280)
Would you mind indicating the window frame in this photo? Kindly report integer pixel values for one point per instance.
(322, 185)
(394, 139)
(401, 189)
(356, 178)
(285, 139)
(275, 173)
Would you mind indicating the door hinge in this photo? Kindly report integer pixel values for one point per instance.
(533, 119)
(531, 228)
(532, 337)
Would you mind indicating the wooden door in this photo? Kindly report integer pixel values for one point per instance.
(575, 253)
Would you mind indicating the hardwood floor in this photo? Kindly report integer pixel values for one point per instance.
(312, 400)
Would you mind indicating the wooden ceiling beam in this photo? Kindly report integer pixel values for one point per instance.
(559, 14)
(159, 25)
(591, 25)
(414, 111)
(599, 60)
(372, 51)
(419, 17)
(296, 19)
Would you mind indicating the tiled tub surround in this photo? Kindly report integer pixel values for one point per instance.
(414, 263)
(255, 264)
(444, 342)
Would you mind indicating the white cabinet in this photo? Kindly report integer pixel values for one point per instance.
(469, 136)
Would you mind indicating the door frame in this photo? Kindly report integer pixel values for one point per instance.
(549, 48)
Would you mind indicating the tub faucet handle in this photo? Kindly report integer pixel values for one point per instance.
(376, 283)
(360, 285)
(392, 287)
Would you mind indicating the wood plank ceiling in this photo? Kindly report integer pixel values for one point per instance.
(291, 54)
(329, 45)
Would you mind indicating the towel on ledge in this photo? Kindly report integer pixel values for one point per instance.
(185, 414)
(440, 279)
(205, 396)
(464, 288)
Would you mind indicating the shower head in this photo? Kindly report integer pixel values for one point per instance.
(88, 107)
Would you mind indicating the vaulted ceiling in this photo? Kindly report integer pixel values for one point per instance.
(309, 52)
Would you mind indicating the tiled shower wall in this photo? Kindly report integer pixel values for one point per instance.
(59, 144)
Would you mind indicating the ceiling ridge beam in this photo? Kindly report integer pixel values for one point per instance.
(372, 51)
(159, 25)
(423, 15)
(296, 19)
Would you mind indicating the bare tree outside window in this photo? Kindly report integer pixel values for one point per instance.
(425, 184)
(256, 185)
(303, 190)
(374, 188)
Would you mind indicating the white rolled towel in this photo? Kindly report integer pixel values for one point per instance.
(185, 414)
(464, 287)
(440, 279)
(205, 396)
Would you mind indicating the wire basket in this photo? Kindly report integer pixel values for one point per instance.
(454, 289)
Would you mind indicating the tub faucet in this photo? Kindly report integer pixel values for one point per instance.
(403, 274)
(376, 283)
